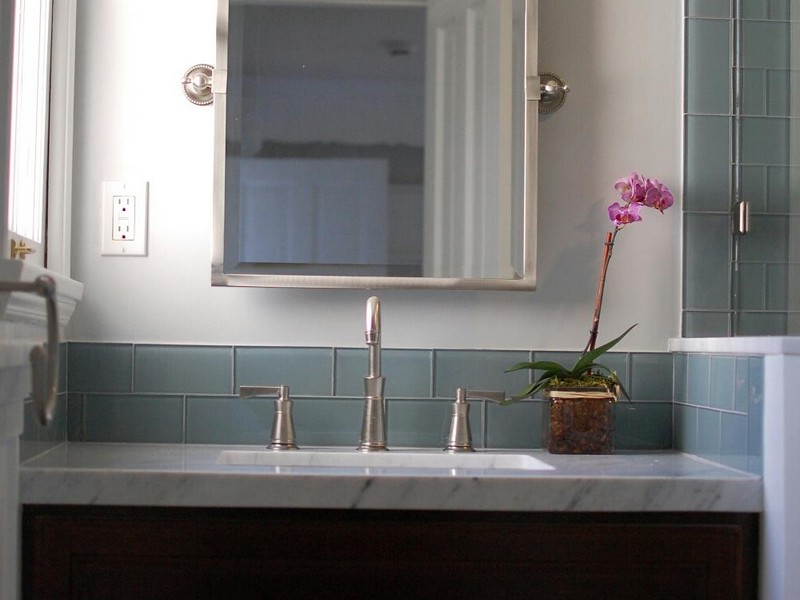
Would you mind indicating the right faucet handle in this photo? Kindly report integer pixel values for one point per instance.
(459, 439)
(282, 437)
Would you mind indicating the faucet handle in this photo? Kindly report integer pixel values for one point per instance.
(282, 437)
(459, 439)
(250, 391)
(494, 396)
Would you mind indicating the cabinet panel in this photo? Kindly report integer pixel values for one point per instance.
(120, 553)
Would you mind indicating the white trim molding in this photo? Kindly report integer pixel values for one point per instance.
(59, 160)
(19, 307)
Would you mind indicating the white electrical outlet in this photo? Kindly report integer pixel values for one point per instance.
(124, 219)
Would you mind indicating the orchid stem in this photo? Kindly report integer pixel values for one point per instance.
(601, 285)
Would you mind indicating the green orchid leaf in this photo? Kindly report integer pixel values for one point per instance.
(590, 356)
(549, 365)
(548, 375)
(519, 366)
(586, 368)
(594, 367)
(541, 382)
(528, 390)
(539, 365)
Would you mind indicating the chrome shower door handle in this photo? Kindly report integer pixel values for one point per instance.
(743, 217)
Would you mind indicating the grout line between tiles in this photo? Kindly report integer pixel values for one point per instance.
(133, 368)
(433, 374)
(184, 425)
(233, 370)
(334, 360)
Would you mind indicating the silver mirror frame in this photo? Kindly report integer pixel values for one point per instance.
(526, 281)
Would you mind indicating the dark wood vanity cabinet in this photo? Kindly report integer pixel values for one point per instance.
(110, 553)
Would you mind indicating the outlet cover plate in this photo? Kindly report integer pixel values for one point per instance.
(135, 242)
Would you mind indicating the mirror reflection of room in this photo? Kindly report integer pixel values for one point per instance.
(375, 139)
(332, 136)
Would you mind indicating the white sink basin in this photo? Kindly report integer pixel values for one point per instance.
(383, 460)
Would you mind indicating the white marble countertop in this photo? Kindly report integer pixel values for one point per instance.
(186, 475)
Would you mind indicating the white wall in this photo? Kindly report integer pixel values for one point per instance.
(622, 60)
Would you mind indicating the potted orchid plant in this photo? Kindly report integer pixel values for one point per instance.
(581, 397)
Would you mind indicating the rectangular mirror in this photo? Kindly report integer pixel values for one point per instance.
(375, 144)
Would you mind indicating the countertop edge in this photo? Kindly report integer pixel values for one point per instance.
(548, 492)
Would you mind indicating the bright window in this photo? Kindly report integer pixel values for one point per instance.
(29, 125)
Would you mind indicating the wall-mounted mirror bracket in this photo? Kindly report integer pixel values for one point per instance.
(553, 92)
(197, 84)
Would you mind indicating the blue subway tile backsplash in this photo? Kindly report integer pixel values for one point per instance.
(188, 394)
(100, 367)
(407, 372)
(720, 414)
(651, 379)
(327, 422)
(709, 426)
(723, 373)
(417, 423)
(228, 420)
(704, 404)
(643, 426)
(478, 370)
(182, 369)
(520, 425)
(307, 371)
(133, 418)
(733, 441)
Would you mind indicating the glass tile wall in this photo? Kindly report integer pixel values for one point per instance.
(719, 408)
(147, 393)
(739, 138)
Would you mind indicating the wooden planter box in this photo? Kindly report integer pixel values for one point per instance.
(581, 420)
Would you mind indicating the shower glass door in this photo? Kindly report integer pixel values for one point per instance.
(765, 286)
(741, 196)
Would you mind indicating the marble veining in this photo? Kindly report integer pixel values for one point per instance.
(185, 475)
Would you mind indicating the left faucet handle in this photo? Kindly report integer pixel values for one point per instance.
(250, 391)
(459, 438)
(282, 437)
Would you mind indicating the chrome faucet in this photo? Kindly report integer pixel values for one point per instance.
(373, 426)
(282, 423)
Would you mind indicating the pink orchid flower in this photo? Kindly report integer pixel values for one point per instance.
(634, 192)
(632, 188)
(658, 195)
(622, 215)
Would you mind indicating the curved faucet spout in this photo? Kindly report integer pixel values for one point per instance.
(373, 426)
